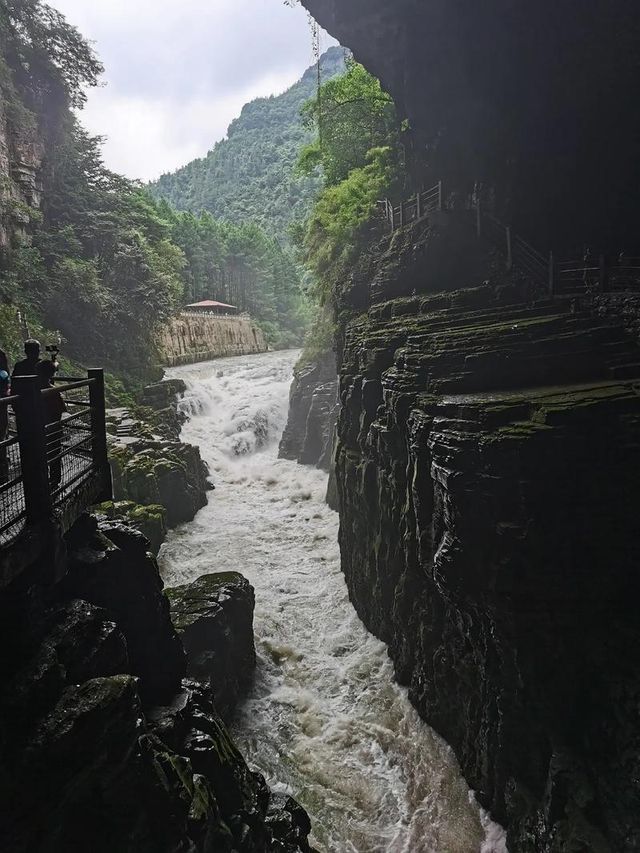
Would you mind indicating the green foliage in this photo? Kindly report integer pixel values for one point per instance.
(52, 64)
(103, 263)
(352, 115)
(96, 263)
(358, 149)
(250, 176)
(335, 228)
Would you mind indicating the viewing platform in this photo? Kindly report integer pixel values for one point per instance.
(50, 473)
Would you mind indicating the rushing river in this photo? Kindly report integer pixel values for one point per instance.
(325, 721)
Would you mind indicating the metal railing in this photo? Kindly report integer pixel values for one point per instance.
(578, 275)
(413, 209)
(586, 276)
(53, 460)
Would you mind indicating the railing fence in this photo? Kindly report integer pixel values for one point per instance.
(578, 275)
(415, 208)
(44, 461)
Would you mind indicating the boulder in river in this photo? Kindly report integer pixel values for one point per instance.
(103, 746)
(214, 618)
(110, 567)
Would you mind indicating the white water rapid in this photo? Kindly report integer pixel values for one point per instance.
(325, 721)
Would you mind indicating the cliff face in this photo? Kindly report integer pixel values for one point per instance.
(487, 441)
(191, 338)
(313, 409)
(20, 160)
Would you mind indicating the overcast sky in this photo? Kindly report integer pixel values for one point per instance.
(178, 71)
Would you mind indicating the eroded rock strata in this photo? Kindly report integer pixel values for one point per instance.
(313, 409)
(105, 746)
(158, 480)
(486, 459)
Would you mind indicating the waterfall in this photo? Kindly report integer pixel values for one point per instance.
(325, 721)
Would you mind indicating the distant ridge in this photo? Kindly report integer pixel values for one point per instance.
(249, 175)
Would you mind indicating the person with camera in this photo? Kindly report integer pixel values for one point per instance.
(28, 366)
(4, 420)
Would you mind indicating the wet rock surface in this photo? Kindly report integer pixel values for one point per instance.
(214, 619)
(104, 746)
(484, 459)
(110, 567)
(313, 409)
(158, 481)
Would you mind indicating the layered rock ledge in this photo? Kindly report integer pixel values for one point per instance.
(158, 480)
(486, 459)
(313, 410)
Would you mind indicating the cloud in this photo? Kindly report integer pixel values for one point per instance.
(178, 73)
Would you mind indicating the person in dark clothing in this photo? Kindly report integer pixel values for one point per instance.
(4, 364)
(4, 423)
(53, 407)
(28, 366)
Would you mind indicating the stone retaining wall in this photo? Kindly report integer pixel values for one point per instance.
(191, 338)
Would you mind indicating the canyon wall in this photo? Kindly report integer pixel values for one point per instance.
(21, 153)
(488, 436)
(485, 463)
(190, 338)
(313, 410)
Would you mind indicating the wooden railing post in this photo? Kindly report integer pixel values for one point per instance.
(99, 427)
(509, 252)
(33, 448)
(551, 275)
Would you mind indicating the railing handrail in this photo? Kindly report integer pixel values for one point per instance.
(58, 464)
(543, 269)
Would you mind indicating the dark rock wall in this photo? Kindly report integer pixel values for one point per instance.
(103, 744)
(488, 536)
(313, 408)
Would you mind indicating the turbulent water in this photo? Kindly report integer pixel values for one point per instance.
(325, 721)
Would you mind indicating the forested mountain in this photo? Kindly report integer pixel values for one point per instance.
(249, 176)
(89, 254)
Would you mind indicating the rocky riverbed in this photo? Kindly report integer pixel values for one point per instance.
(111, 715)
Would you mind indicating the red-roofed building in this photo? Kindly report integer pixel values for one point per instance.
(211, 306)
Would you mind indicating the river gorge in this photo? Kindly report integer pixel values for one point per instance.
(325, 721)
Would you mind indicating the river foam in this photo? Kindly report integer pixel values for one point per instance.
(325, 721)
